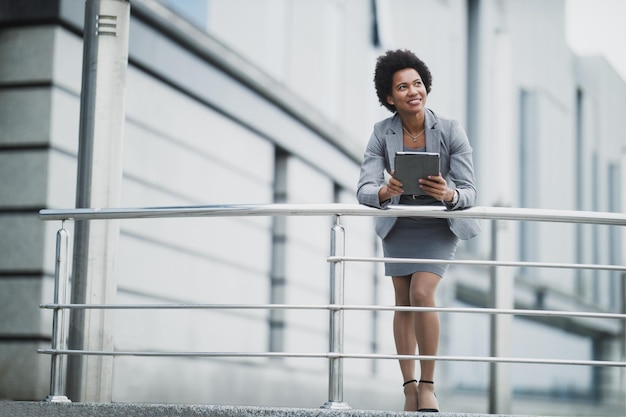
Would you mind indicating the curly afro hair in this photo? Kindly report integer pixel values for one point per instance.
(389, 64)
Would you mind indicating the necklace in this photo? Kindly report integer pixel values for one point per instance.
(413, 137)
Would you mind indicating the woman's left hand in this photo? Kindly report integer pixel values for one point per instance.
(436, 187)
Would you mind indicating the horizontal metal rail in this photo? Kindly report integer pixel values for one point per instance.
(333, 307)
(332, 355)
(480, 263)
(492, 213)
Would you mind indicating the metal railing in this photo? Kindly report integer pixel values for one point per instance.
(336, 307)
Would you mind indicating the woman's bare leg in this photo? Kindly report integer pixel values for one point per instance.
(404, 336)
(422, 294)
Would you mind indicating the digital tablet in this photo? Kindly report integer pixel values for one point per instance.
(411, 166)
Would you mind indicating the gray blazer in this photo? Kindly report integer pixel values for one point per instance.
(444, 136)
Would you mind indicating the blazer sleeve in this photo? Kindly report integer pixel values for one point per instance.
(373, 167)
(461, 167)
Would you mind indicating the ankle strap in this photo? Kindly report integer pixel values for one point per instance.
(426, 382)
(408, 382)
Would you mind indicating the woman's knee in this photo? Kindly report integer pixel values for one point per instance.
(423, 288)
(421, 296)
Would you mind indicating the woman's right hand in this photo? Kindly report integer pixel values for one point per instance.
(391, 189)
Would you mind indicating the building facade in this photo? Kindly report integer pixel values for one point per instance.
(247, 101)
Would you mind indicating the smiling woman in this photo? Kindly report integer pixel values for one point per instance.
(403, 82)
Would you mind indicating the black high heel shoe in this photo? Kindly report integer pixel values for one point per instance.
(427, 410)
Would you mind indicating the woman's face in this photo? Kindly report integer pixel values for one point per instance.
(408, 92)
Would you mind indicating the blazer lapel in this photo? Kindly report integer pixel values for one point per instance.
(393, 138)
(433, 133)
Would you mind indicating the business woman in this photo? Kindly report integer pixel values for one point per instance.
(402, 83)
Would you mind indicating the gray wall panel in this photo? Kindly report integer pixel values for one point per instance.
(20, 362)
(21, 313)
(28, 171)
(25, 116)
(21, 248)
(26, 54)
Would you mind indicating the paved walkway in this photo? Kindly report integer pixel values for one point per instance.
(36, 409)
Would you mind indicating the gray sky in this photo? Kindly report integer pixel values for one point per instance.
(597, 27)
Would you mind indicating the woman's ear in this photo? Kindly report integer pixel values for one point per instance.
(390, 101)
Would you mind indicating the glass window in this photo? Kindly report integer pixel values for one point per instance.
(528, 176)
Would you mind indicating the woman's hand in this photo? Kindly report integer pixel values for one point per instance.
(436, 187)
(391, 189)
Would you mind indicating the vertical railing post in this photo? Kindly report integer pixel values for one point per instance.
(500, 297)
(98, 184)
(59, 325)
(336, 333)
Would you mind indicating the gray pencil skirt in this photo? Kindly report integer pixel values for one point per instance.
(419, 238)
